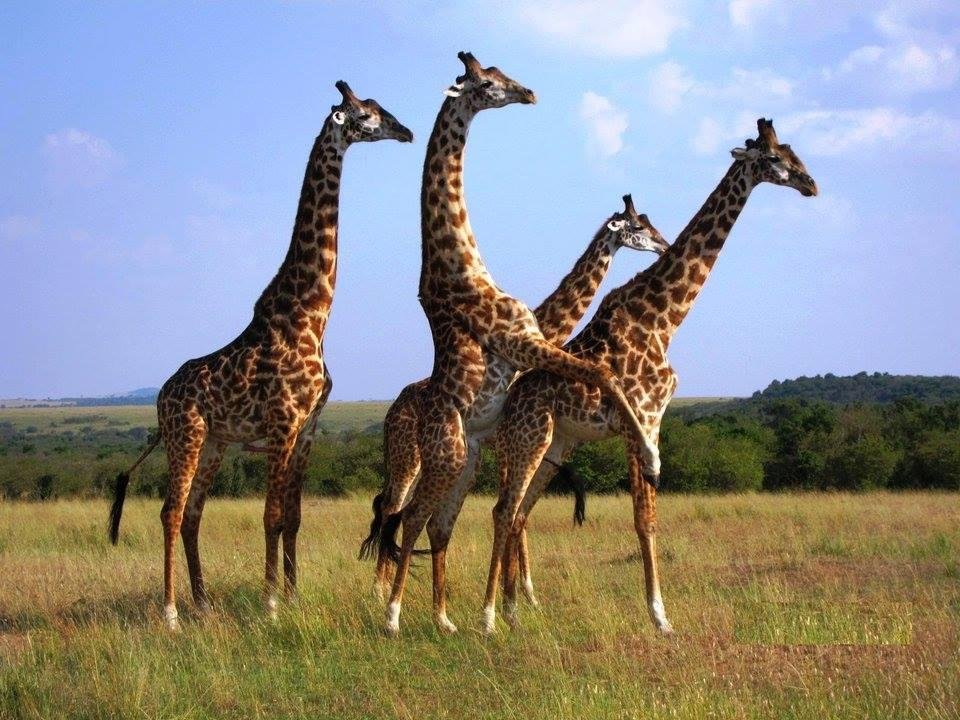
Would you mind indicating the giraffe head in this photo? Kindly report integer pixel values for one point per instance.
(364, 120)
(773, 162)
(480, 88)
(631, 230)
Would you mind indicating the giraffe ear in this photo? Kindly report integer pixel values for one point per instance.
(454, 90)
(339, 117)
(744, 153)
(616, 225)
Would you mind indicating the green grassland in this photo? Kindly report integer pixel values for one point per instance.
(336, 417)
(819, 605)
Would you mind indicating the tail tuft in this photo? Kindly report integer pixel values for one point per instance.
(387, 541)
(567, 476)
(116, 509)
(372, 541)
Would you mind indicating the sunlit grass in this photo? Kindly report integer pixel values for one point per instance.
(806, 606)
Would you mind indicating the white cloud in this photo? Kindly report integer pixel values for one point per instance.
(709, 136)
(743, 13)
(605, 124)
(76, 157)
(838, 132)
(605, 28)
(670, 84)
(903, 68)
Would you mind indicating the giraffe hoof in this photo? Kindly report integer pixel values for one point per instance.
(171, 619)
(272, 607)
(529, 594)
(444, 625)
(666, 629)
(204, 607)
(392, 626)
(510, 616)
(489, 623)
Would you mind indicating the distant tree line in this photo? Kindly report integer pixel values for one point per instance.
(864, 388)
(762, 444)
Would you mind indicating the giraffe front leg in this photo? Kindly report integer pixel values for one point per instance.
(644, 497)
(292, 501)
(277, 480)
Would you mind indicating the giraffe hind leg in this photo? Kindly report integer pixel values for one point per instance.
(444, 454)
(183, 444)
(210, 458)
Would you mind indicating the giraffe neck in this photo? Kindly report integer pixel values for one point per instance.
(303, 286)
(560, 312)
(670, 286)
(450, 252)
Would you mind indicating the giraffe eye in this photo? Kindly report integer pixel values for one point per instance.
(486, 83)
(363, 117)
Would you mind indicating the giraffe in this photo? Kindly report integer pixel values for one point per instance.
(468, 315)
(556, 316)
(270, 383)
(546, 416)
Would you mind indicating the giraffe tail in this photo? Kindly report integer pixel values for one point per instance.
(387, 544)
(371, 543)
(568, 477)
(120, 492)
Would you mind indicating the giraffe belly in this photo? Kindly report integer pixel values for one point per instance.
(584, 429)
(484, 415)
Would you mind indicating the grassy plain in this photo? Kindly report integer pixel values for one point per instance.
(786, 606)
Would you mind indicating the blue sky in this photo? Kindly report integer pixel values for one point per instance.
(151, 157)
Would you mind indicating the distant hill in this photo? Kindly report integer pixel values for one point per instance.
(140, 396)
(864, 388)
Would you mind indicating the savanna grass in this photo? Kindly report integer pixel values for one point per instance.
(792, 606)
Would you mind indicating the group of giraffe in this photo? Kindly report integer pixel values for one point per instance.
(501, 373)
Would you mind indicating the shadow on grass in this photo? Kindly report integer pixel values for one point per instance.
(239, 602)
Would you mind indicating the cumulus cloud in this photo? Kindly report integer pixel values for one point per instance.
(839, 132)
(903, 68)
(76, 157)
(604, 28)
(709, 136)
(605, 124)
(835, 132)
(670, 84)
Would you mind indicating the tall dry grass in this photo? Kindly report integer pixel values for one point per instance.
(803, 606)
